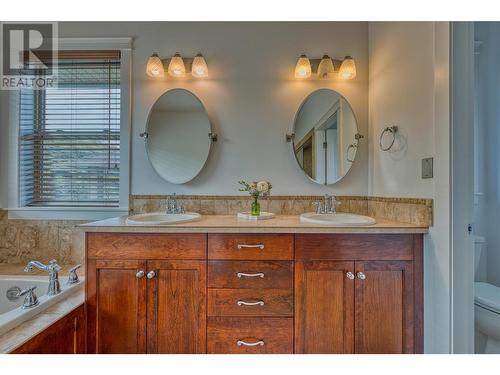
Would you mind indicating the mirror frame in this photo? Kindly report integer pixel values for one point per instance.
(293, 133)
(210, 139)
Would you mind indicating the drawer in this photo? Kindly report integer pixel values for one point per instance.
(250, 302)
(250, 274)
(146, 246)
(250, 335)
(250, 246)
(354, 246)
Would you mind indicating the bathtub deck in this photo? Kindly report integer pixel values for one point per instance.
(24, 332)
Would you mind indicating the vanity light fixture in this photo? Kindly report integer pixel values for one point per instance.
(324, 67)
(303, 67)
(347, 68)
(176, 68)
(154, 67)
(199, 67)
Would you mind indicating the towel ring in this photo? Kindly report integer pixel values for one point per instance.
(352, 145)
(390, 129)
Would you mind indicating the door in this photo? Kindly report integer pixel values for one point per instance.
(384, 307)
(116, 302)
(177, 306)
(324, 307)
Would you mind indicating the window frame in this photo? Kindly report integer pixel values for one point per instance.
(15, 210)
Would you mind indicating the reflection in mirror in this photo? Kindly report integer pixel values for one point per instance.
(325, 143)
(177, 136)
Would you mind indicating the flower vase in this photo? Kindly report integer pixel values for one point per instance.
(255, 209)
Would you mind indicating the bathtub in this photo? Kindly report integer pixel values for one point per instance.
(11, 312)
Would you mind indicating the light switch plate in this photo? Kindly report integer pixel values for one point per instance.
(428, 168)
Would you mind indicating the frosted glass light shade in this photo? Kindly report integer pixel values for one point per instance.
(347, 68)
(176, 67)
(325, 67)
(154, 68)
(303, 67)
(199, 69)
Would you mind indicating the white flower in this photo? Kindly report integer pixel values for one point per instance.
(262, 186)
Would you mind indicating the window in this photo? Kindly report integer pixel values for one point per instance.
(69, 135)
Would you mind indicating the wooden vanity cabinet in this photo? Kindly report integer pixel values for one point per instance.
(254, 293)
(358, 294)
(146, 293)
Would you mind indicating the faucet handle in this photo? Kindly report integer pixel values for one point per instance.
(31, 299)
(73, 277)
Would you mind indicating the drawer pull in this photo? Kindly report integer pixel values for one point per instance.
(245, 303)
(260, 246)
(243, 274)
(244, 343)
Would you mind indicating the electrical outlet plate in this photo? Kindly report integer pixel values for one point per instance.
(428, 168)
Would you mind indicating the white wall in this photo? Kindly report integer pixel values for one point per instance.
(401, 93)
(408, 87)
(251, 97)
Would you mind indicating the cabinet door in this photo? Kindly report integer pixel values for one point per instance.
(177, 307)
(324, 307)
(116, 300)
(384, 307)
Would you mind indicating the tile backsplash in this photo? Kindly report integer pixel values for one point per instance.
(24, 240)
(43, 240)
(406, 210)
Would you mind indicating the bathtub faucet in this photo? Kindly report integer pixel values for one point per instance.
(53, 269)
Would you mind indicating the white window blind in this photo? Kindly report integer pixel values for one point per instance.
(69, 135)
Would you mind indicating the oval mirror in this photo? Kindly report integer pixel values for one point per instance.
(178, 139)
(325, 136)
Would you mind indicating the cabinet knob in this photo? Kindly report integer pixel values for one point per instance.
(350, 275)
(151, 274)
(140, 274)
(361, 275)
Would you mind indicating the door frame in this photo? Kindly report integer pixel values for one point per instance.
(462, 185)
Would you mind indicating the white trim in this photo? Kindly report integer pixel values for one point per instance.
(462, 186)
(95, 43)
(66, 213)
(79, 213)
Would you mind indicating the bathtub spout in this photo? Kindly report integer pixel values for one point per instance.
(53, 269)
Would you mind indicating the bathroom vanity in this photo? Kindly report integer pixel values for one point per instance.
(223, 286)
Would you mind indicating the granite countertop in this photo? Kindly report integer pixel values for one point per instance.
(231, 224)
(17, 336)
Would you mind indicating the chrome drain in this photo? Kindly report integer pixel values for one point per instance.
(12, 293)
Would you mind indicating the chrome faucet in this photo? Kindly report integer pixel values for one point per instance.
(173, 206)
(328, 206)
(53, 269)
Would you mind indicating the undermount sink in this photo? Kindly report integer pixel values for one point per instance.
(338, 220)
(160, 218)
